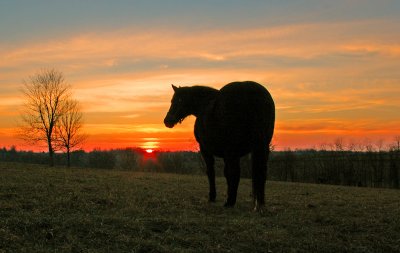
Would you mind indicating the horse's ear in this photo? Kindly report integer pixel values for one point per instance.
(174, 87)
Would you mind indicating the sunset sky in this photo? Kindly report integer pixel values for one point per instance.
(332, 67)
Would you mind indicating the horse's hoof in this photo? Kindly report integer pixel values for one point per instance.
(258, 208)
(229, 205)
(212, 197)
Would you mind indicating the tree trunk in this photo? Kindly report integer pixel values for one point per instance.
(51, 154)
(68, 158)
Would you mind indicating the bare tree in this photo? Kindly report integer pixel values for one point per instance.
(69, 128)
(369, 147)
(46, 94)
(339, 144)
(323, 146)
(396, 145)
(379, 145)
(352, 146)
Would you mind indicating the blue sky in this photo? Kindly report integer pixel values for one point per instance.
(37, 19)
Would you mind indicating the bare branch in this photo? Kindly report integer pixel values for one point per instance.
(69, 128)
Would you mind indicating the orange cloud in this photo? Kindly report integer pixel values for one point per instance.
(327, 78)
(113, 48)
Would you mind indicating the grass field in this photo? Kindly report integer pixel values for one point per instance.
(79, 210)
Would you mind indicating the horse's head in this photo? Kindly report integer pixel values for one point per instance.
(180, 107)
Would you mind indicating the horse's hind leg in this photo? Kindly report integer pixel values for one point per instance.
(232, 175)
(209, 160)
(259, 175)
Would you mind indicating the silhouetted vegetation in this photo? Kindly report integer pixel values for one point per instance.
(50, 115)
(68, 130)
(371, 169)
(353, 168)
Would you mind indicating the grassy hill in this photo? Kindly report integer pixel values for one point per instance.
(81, 210)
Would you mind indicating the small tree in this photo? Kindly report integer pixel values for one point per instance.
(46, 94)
(339, 145)
(396, 145)
(69, 128)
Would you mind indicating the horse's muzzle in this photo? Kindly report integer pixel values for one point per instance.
(168, 122)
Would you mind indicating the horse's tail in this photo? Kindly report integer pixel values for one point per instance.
(271, 122)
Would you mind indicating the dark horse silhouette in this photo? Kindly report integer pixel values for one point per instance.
(236, 120)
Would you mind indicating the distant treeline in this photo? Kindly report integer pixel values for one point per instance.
(123, 159)
(366, 169)
(370, 169)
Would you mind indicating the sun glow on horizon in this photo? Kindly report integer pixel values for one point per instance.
(150, 143)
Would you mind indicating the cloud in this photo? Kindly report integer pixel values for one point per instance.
(345, 72)
(302, 41)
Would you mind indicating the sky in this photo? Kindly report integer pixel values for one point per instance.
(332, 67)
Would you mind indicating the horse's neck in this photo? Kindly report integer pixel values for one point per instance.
(203, 98)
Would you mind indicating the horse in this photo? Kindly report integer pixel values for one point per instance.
(231, 122)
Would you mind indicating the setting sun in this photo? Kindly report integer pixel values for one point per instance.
(149, 151)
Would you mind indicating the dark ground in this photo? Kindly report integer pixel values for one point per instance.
(82, 210)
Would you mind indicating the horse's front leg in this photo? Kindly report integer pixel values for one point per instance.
(209, 160)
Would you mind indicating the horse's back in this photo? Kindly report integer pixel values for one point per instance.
(246, 87)
(247, 102)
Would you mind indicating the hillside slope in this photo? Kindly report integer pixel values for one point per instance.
(79, 210)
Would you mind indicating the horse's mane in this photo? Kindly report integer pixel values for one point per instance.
(200, 96)
(202, 91)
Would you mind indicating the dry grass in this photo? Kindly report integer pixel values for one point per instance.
(78, 210)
